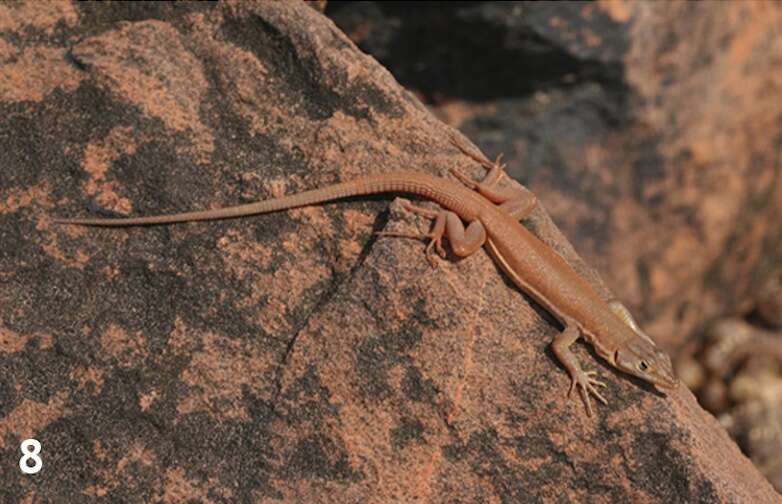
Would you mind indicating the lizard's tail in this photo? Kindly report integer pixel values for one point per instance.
(399, 182)
(272, 205)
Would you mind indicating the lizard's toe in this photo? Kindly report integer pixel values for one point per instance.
(586, 385)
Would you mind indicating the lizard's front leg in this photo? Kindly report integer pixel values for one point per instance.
(464, 242)
(584, 380)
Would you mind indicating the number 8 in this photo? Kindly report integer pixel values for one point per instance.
(30, 450)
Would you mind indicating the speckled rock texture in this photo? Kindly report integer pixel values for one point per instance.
(286, 358)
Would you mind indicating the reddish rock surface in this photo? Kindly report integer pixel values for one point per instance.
(291, 357)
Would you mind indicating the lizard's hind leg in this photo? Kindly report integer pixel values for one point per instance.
(517, 201)
(464, 242)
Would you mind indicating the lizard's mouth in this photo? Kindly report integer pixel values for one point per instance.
(666, 383)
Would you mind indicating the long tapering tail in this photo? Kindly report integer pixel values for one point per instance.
(404, 182)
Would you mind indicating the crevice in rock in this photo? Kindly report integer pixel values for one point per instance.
(328, 295)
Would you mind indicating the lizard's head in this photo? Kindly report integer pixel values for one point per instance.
(643, 359)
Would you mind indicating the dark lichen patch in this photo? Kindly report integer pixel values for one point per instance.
(8, 398)
(363, 99)
(96, 441)
(13, 231)
(556, 465)
(377, 355)
(94, 18)
(40, 374)
(37, 136)
(489, 456)
(304, 407)
(275, 49)
(240, 454)
(181, 185)
(139, 302)
(667, 475)
(119, 394)
(409, 430)
(306, 399)
(417, 388)
(483, 453)
(305, 88)
(318, 456)
(372, 365)
(68, 444)
(43, 287)
(239, 151)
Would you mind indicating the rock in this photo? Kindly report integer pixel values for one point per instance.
(292, 357)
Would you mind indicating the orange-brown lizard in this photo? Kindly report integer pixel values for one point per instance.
(492, 214)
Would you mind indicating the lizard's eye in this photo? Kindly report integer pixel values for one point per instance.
(643, 366)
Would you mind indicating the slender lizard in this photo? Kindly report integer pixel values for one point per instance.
(492, 214)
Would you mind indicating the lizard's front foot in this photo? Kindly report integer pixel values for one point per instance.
(586, 382)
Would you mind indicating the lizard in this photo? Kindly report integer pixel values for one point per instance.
(493, 216)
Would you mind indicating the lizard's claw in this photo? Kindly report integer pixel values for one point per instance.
(586, 383)
(438, 246)
(435, 244)
(464, 179)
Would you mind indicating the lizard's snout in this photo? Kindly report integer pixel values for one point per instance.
(667, 384)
